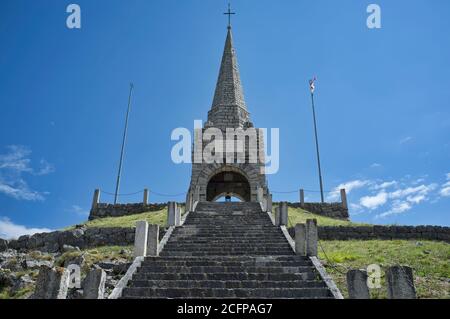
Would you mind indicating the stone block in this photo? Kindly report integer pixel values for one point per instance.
(172, 212)
(153, 240)
(94, 284)
(357, 284)
(312, 237)
(52, 283)
(300, 239)
(140, 239)
(400, 283)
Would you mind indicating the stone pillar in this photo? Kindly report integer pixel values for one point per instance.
(400, 283)
(178, 216)
(277, 216)
(140, 239)
(300, 239)
(94, 284)
(145, 200)
(357, 284)
(302, 197)
(96, 199)
(344, 199)
(269, 203)
(171, 213)
(153, 240)
(283, 214)
(52, 283)
(311, 237)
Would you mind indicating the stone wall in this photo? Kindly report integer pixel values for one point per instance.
(332, 210)
(102, 210)
(437, 233)
(80, 237)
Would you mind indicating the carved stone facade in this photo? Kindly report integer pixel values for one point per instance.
(235, 174)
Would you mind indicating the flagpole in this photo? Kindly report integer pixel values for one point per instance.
(317, 145)
(116, 195)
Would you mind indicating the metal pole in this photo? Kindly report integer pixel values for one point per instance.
(317, 148)
(116, 196)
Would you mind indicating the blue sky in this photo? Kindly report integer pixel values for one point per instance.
(382, 101)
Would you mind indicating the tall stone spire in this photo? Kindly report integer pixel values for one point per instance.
(228, 107)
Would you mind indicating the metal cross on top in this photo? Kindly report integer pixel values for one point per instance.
(229, 14)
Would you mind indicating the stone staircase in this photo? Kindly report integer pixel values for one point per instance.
(227, 250)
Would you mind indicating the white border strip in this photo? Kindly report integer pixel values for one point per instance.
(117, 292)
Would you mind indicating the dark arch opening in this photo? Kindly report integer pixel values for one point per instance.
(228, 184)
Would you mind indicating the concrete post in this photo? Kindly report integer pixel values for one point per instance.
(300, 239)
(344, 199)
(96, 199)
(52, 283)
(312, 237)
(357, 284)
(178, 216)
(302, 197)
(94, 284)
(153, 240)
(277, 216)
(269, 203)
(145, 200)
(173, 214)
(400, 283)
(283, 214)
(140, 239)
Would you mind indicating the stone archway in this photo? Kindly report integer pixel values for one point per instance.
(228, 183)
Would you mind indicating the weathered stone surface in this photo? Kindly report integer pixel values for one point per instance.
(153, 240)
(400, 283)
(102, 210)
(382, 232)
(94, 284)
(3, 244)
(140, 239)
(311, 237)
(300, 239)
(51, 283)
(357, 284)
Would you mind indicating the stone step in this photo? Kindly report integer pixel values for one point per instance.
(180, 263)
(223, 269)
(226, 293)
(225, 284)
(229, 248)
(226, 276)
(242, 252)
(210, 254)
(287, 258)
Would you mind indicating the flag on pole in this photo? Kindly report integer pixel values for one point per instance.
(312, 85)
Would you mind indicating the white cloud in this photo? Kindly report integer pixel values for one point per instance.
(385, 185)
(373, 202)
(398, 207)
(348, 186)
(445, 190)
(13, 165)
(75, 209)
(45, 169)
(19, 190)
(9, 230)
(376, 165)
(406, 140)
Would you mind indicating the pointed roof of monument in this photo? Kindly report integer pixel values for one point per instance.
(229, 90)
